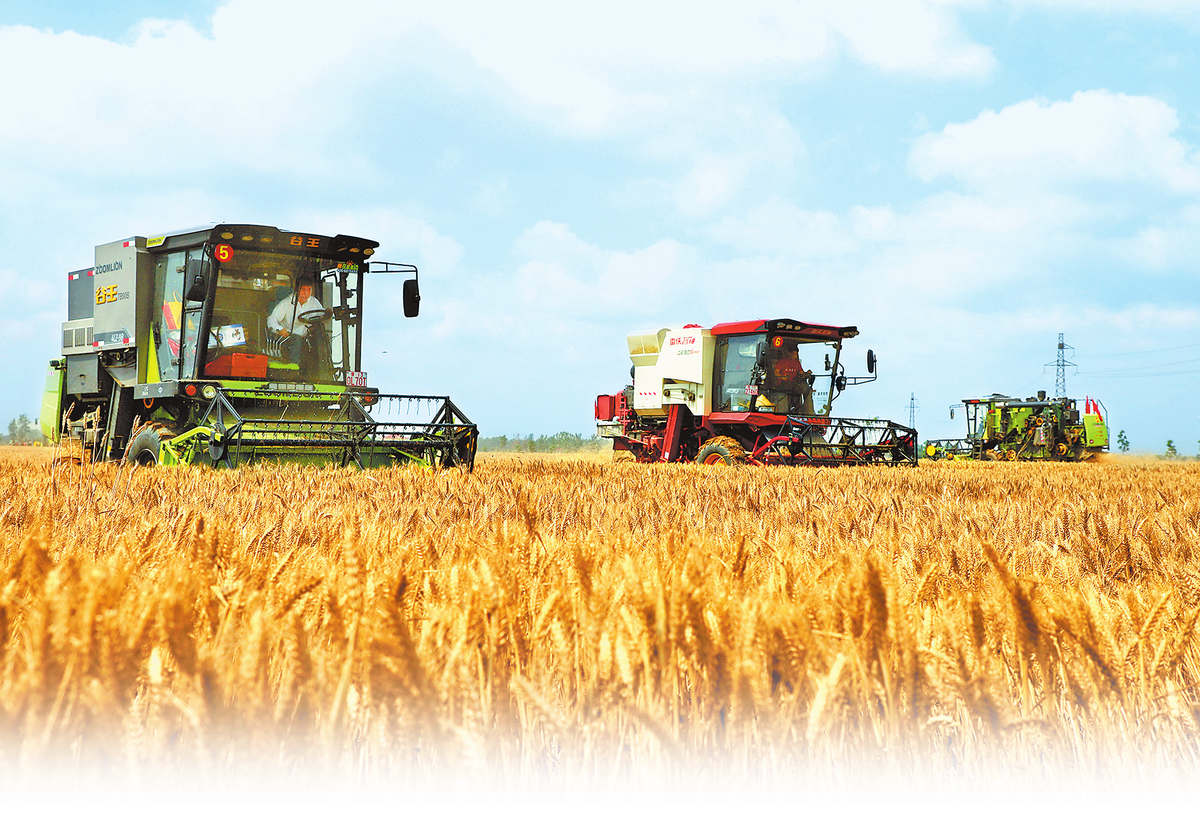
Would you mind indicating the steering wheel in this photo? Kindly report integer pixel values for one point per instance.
(314, 317)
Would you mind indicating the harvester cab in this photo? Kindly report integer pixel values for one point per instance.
(235, 343)
(1001, 427)
(759, 391)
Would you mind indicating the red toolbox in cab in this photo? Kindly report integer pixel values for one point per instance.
(238, 366)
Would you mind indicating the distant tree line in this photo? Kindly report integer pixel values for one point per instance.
(21, 431)
(1170, 452)
(559, 442)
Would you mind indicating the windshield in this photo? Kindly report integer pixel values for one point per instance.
(283, 317)
(795, 378)
(974, 425)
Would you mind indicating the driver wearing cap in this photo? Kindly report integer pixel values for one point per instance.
(287, 320)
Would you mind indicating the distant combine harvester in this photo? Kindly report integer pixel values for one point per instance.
(1004, 428)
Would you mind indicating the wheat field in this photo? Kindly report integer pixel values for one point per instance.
(568, 622)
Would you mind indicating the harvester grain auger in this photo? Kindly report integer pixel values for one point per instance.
(757, 392)
(236, 343)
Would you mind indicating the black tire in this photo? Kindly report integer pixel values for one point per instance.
(721, 451)
(143, 449)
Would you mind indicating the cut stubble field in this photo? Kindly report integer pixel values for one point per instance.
(571, 621)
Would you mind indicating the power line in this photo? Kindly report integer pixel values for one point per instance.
(1154, 374)
(1036, 378)
(1134, 352)
(1150, 367)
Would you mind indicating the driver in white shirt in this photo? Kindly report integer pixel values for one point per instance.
(287, 323)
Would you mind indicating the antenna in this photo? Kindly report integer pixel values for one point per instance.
(1060, 376)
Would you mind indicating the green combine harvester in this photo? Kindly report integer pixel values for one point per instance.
(235, 343)
(1003, 428)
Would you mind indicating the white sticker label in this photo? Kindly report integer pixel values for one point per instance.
(231, 335)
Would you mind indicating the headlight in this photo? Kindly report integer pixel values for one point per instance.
(209, 392)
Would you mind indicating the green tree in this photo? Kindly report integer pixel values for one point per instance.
(1122, 441)
(20, 430)
(1171, 451)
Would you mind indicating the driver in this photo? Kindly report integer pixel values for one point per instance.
(287, 320)
(791, 383)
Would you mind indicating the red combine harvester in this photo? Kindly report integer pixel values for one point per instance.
(756, 392)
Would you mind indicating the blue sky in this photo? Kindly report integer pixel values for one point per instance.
(961, 180)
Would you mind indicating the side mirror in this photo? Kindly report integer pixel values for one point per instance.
(760, 354)
(951, 413)
(412, 298)
(870, 361)
(197, 277)
(828, 366)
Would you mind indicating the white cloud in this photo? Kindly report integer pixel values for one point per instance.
(599, 64)
(941, 248)
(169, 99)
(724, 151)
(779, 226)
(402, 238)
(594, 63)
(1138, 7)
(1139, 320)
(269, 89)
(910, 36)
(1168, 246)
(997, 252)
(559, 274)
(1036, 145)
(711, 182)
(493, 198)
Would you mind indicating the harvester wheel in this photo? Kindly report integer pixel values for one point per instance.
(143, 449)
(721, 451)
